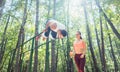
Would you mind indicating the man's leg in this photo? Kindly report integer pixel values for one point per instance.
(53, 34)
(46, 33)
(64, 33)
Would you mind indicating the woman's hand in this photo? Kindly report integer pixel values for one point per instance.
(71, 54)
(82, 56)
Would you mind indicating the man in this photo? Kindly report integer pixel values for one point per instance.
(54, 30)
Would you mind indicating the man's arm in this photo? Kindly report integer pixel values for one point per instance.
(46, 27)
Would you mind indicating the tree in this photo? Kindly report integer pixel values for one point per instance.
(20, 38)
(108, 20)
(36, 41)
(17, 35)
(89, 38)
(69, 60)
(47, 47)
(2, 3)
(2, 44)
(112, 51)
(96, 33)
(102, 43)
(53, 53)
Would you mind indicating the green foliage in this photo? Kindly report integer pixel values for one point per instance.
(74, 20)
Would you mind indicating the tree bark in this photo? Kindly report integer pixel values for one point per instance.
(69, 61)
(102, 44)
(112, 51)
(20, 38)
(2, 44)
(47, 57)
(47, 46)
(64, 63)
(5, 56)
(2, 3)
(53, 53)
(36, 41)
(90, 39)
(97, 37)
(9, 64)
(31, 56)
(53, 59)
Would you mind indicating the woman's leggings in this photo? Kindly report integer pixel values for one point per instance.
(80, 62)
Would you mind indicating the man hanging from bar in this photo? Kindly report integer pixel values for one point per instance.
(53, 30)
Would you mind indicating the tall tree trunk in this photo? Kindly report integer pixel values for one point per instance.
(70, 67)
(97, 37)
(69, 60)
(47, 47)
(31, 56)
(57, 52)
(21, 60)
(112, 51)
(89, 39)
(108, 20)
(36, 41)
(20, 38)
(2, 49)
(53, 59)
(65, 57)
(47, 57)
(102, 44)
(2, 3)
(9, 64)
(53, 53)
(5, 57)
(90, 60)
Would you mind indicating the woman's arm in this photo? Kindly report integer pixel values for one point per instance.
(72, 52)
(84, 46)
(84, 49)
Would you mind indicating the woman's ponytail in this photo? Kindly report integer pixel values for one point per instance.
(80, 34)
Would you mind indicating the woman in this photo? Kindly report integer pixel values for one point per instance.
(79, 50)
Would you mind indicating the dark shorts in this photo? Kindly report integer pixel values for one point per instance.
(54, 34)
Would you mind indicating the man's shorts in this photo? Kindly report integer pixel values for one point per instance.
(50, 33)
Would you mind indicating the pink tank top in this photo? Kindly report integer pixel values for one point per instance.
(79, 45)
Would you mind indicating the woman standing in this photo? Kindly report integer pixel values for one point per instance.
(79, 50)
